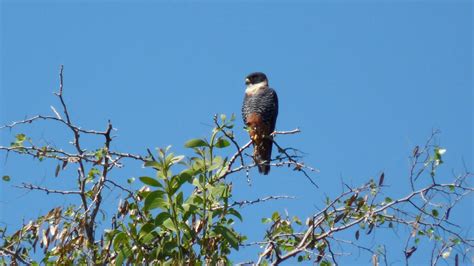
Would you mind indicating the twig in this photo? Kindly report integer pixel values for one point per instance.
(233, 158)
(47, 190)
(130, 193)
(298, 166)
(15, 255)
(294, 131)
(42, 117)
(251, 202)
(239, 153)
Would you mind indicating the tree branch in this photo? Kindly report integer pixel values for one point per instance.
(47, 190)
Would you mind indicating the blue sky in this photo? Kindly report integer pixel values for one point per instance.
(364, 81)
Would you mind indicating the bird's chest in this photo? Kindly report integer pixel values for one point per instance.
(255, 100)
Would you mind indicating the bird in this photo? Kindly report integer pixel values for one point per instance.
(259, 112)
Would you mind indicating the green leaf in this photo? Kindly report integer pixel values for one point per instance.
(188, 233)
(89, 194)
(179, 198)
(20, 137)
(275, 216)
(325, 263)
(93, 172)
(160, 218)
(266, 220)
(235, 213)
(150, 181)
(430, 231)
(131, 180)
(229, 235)
(435, 212)
(456, 241)
(297, 220)
(185, 176)
(196, 183)
(218, 190)
(177, 159)
(178, 181)
(217, 163)
(145, 230)
(119, 259)
(153, 164)
(189, 209)
(388, 200)
(99, 154)
(155, 200)
(440, 150)
(120, 239)
(6, 178)
(168, 223)
(194, 143)
(89, 179)
(437, 156)
(222, 143)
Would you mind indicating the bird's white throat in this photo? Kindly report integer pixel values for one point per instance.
(253, 88)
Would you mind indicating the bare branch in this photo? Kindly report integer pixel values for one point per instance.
(251, 202)
(294, 131)
(47, 190)
(239, 151)
(42, 117)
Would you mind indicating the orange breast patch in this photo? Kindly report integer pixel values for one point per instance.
(257, 128)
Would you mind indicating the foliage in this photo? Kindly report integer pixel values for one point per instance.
(165, 226)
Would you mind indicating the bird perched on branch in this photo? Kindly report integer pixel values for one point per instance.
(260, 111)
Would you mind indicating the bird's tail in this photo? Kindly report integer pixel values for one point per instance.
(263, 155)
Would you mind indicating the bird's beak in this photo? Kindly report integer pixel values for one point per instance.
(247, 81)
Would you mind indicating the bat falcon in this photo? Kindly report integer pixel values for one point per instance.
(260, 111)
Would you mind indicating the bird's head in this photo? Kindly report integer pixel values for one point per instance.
(256, 78)
(255, 82)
